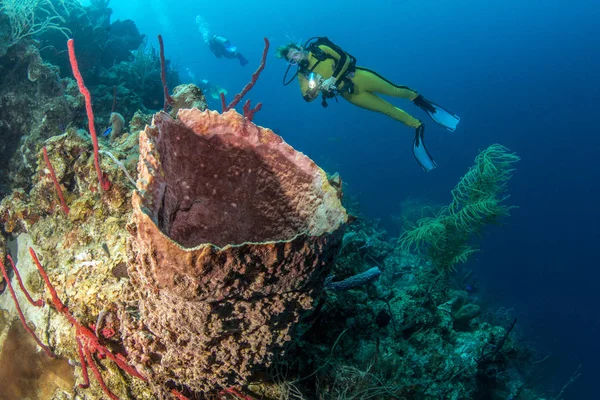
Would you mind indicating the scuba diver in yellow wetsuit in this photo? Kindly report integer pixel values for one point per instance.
(325, 68)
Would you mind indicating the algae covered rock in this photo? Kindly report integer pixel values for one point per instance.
(187, 96)
(463, 312)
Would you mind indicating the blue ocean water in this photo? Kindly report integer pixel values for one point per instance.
(520, 73)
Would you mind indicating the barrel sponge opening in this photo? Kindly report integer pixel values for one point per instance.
(220, 179)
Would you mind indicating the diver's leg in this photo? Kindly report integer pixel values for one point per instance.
(242, 59)
(372, 102)
(371, 81)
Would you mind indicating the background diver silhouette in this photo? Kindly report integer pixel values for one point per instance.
(324, 68)
(222, 47)
(211, 89)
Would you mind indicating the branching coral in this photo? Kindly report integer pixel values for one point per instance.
(145, 62)
(477, 200)
(31, 17)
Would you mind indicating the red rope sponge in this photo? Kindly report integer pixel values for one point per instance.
(21, 316)
(163, 73)
(248, 112)
(63, 203)
(102, 179)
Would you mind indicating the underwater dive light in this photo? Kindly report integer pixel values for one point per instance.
(312, 83)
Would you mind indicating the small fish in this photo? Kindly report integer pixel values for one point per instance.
(334, 139)
(105, 248)
(107, 131)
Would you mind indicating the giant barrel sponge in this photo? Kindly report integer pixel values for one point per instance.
(232, 236)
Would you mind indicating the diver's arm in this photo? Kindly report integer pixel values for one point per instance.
(339, 58)
(203, 84)
(308, 94)
(213, 49)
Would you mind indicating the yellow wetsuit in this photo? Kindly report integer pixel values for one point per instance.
(367, 84)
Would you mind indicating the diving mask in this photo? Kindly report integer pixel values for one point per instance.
(295, 57)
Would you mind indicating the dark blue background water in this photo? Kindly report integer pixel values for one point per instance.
(524, 74)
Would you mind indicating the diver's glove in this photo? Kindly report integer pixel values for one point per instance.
(328, 84)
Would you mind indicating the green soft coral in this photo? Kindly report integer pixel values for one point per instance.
(477, 200)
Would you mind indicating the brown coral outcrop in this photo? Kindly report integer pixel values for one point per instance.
(233, 232)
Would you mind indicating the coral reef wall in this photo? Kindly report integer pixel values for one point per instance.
(33, 107)
(38, 98)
